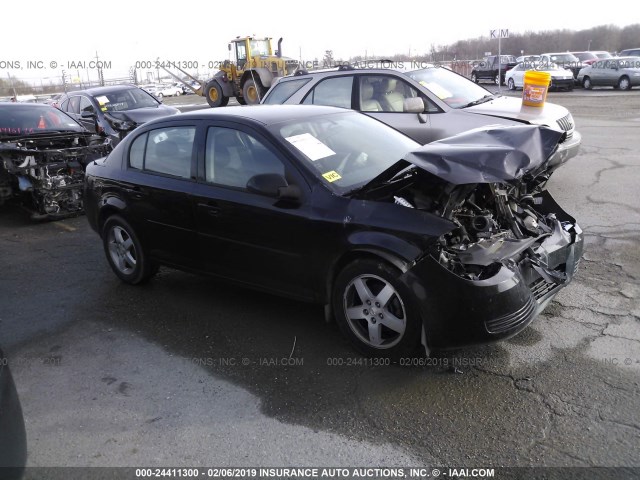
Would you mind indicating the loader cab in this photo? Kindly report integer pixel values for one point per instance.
(247, 47)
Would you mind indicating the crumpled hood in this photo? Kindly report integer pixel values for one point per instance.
(509, 107)
(143, 115)
(488, 155)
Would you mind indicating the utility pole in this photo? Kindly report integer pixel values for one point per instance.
(99, 65)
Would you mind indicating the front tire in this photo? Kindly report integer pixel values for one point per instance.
(624, 83)
(511, 84)
(474, 77)
(214, 95)
(124, 252)
(375, 311)
(252, 92)
(586, 83)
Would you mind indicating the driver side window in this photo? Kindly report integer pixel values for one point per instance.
(232, 157)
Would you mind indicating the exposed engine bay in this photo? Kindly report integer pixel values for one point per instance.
(491, 187)
(496, 225)
(45, 172)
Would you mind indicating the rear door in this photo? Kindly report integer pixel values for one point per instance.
(160, 163)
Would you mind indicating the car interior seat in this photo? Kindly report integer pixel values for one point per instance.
(367, 102)
(389, 98)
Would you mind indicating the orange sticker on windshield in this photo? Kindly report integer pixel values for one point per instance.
(331, 176)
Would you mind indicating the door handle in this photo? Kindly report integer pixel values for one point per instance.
(135, 192)
(212, 208)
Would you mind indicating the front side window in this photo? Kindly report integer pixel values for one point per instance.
(74, 105)
(165, 150)
(334, 92)
(384, 93)
(85, 105)
(232, 157)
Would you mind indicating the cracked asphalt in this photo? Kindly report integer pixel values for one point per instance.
(188, 371)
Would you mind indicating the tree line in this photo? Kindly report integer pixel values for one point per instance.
(604, 37)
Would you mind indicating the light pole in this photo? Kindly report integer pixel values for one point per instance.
(589, 46)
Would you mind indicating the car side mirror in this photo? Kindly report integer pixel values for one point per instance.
(414, 105)
(88, 114)
(273, 185)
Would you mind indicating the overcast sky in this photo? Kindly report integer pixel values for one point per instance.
(124, 32)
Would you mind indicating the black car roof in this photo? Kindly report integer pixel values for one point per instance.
(265, 114)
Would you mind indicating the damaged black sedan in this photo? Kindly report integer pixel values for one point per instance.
(43, 153)
(449, 244)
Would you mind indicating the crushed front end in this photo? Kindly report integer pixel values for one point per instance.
(510, 248)
(45, 172)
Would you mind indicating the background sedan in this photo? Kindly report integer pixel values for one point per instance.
(620, 73)
(115, 110)
(560, 77)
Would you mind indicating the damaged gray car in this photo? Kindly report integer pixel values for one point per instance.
(43, 154)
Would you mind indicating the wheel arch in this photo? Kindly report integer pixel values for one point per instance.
(264, 75)
(109, 206)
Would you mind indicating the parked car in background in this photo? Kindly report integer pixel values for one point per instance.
(620, 73)
(453, 243)
(564, 60)
(115, 110)
(43, 153)
(426, 104)
(630, 52)
(53, 100)
(490, 68)
(13, 437)
(528, 58)
(587, 58)
(560, 77)
(173, 90)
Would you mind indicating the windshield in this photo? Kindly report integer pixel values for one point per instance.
(129, 99)
(260, 47)
(19, 120)
(455, 90)
(345, 150)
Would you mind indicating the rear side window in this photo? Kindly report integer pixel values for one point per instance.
(165, 150)
(283, 90)
(334, 92)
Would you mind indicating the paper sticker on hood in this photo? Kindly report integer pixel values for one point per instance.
(488, 155)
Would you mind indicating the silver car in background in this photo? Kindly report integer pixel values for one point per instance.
(621, 73)
(426, 104)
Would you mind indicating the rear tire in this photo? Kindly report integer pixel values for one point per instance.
(474, 77)
(375, 311)
(124, 252)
